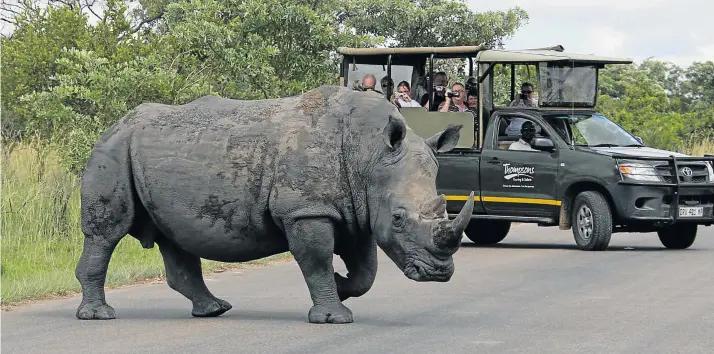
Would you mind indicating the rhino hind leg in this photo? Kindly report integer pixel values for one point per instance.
(105, 221)
(183, 274)
(91, 272)
(311, 241)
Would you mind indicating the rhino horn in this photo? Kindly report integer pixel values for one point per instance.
(447, 235)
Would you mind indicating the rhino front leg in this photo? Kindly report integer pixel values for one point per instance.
(361, 263)
(311, 242)
(183, 274)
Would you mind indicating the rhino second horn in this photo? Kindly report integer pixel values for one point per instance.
(435, 207)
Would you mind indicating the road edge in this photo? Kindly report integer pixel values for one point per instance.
(284, 257)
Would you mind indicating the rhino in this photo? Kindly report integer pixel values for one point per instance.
(331, 171)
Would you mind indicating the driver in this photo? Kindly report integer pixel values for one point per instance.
(527, 133)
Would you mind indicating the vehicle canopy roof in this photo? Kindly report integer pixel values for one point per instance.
(527, 56)
(481, 52)
(407, 55)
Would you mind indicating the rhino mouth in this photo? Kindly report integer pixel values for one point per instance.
(429, 269)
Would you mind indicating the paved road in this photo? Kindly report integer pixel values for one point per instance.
(535, 293)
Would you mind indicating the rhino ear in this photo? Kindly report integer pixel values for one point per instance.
(445, 140)
(394, 132)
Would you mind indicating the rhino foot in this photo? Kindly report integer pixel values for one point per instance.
(95, 311)
(210, 307)
(335, 314)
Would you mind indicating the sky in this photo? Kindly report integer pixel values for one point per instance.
(679, 31)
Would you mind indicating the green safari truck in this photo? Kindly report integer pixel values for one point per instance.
(580, 171)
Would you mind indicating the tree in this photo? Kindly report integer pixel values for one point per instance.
(414, 23)
(424, 23)
(257, 49)
(69, 78)
(663, 103)
(700, 84)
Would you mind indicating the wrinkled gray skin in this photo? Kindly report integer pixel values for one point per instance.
(333, 171)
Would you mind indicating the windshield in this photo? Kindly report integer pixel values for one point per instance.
(592, 130)
(567, 85)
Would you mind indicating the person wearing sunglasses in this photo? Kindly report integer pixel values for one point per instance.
(528, 131)
(525, 99)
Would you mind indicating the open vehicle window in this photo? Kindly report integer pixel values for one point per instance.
(399, 73)
(592, 130)
(509, 131)
(498, 83)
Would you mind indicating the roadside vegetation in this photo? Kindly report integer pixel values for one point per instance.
(42, 238)
(73, 68)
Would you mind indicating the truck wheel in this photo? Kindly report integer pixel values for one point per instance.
(487, 232)
(592, 221)
(678, 237)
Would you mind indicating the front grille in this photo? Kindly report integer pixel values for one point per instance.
(690, 200)
(699, 173)
(697, 179)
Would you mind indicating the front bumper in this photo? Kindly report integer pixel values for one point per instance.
(663, 203)
(657, 204)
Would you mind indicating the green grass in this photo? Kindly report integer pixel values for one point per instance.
(42, 239)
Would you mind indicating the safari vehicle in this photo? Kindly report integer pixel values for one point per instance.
(585, 172)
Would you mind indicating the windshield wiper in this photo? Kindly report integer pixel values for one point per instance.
(605, 145)
(633, 145)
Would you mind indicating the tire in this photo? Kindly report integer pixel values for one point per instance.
(591, 221)
(487, 232)
(678, 237)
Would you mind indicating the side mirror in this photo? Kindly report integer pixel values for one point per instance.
(640, 140)
(543, 144)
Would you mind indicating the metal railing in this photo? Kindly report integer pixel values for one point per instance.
(673, 162)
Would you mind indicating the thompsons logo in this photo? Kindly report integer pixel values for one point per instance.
(511, 172)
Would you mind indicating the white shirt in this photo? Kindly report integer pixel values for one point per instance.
(521, 145)
(412, 103)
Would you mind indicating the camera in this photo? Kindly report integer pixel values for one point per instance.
(439, 91)
(471, 87)
(359, 87)
(452, 94)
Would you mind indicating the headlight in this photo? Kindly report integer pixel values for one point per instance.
(710, 171)
(639, 172)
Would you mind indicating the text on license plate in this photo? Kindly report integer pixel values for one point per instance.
(691, 211)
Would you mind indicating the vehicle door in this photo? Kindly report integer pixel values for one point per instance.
(457, 177)
(518, 182)
(458, 173)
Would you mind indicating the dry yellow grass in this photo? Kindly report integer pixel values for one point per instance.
(699, 148)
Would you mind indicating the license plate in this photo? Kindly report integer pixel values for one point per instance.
(691, 211)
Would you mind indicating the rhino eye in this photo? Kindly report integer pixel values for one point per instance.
(398, 218)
